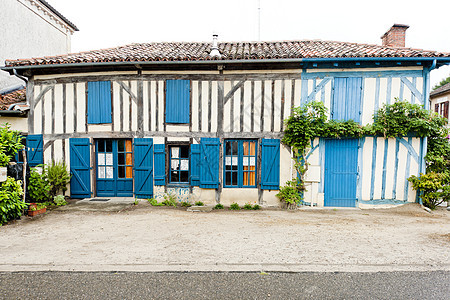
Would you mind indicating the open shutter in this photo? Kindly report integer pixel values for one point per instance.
(99, 102)
(143, 168)
(436, 108)
(209, 163)
(35, 153)
(160, 164)
(195, 164)
(270, 164)
(445, 114)
(80, 182)
(177, 101)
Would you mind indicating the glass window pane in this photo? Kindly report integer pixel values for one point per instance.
(129, 159)
(252, 148)
(184, 165)
(235, 178)
(245, 146)
(184, 176)
(109, 159)
(228, 178)
(108, 146)
(174, 176)
(128, 145)
(101, 172)
(101, 158)
(175, 152)
(235, 148)
(227, 148)
(101, 145)
(121, 158)
(184, 151)
(245, 178)
(121, 145)
(174, 164)
(129, 172)
(252, 177)
(109, 172)
(121, 171)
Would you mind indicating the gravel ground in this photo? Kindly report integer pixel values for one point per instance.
(145, 238)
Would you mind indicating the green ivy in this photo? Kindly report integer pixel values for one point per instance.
(10, 144)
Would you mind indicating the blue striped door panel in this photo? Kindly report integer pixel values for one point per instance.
(195, 165)
(160, 164)
(347, 99)
(143, 167)
(270, 164)
(177, 101)
(99, 102)
(35, 154)
(80, 168)
(209, 163)
(341, 172)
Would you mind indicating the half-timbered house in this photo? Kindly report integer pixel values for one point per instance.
(204, 121)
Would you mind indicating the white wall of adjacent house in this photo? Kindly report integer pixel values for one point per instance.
(437, 104)
(257, 108)
(29, 29)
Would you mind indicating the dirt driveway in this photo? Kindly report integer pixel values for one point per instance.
(145, 238)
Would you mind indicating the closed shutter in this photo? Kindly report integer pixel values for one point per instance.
(143, 168)
(209, 163)
(99, 102)
(177, 101)
(80, 182)
(195, 164)
(160, 164)
(347, 99)
(35, 153)
(436, 108)
(270, 164)
(445, 110)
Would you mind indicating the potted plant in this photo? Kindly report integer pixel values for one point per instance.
(36, 209)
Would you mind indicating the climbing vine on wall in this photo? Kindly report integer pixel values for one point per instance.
(398, 119)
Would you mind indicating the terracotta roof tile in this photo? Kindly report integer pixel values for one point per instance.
(198, 51)
(12, 98)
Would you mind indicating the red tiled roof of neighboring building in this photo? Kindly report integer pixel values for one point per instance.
(12, 98)
(441, 90)
(199, 51)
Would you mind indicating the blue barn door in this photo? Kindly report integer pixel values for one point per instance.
(143, 168)
(114, 160)
(80, 168)
(341, 172)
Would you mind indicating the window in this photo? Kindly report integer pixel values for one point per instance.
(124, 159)
(442, 108)
(240, 163)
(177, 101)
(347, 99)
(99, 102)
(179, 164)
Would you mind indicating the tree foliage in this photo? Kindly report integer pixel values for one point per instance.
(442, 83)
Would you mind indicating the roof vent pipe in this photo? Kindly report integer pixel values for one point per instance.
(215, 48)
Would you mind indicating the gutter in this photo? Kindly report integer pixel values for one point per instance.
(443, 60)
(13, 113)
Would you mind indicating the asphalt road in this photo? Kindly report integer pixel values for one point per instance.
(129, 285)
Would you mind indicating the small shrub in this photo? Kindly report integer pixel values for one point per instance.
(10, 144)
(234, 206)
(433, 188)
(247, 206)
(11, 204)
(59, 200)
(154, 202)
(199, 203)
(256, 207)
(58, 177)
(289, 194)
(39, 187)
(186, 204)
(218, 206)
(170, 200)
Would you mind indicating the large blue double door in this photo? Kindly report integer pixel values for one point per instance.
(114, 163)
(341, 172)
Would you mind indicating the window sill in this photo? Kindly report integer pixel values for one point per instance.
(179, 185)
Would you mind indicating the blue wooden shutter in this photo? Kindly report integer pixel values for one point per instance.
(347, 99)
(143, 168)
(80, 168)
(209, 163)
(35, 153)
(99, 102)
(195, 164)
(160, 164)
(270, 164)
(177, 101)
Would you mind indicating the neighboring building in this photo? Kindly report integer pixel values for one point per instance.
(205, 121)
(29, 28)
(439, 100)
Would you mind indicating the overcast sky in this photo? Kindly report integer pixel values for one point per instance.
(110, 23)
